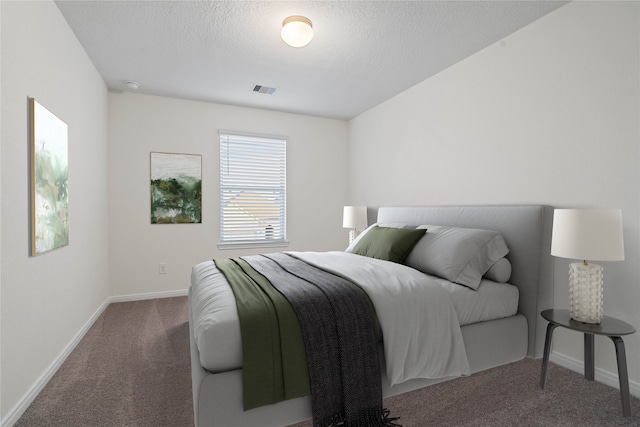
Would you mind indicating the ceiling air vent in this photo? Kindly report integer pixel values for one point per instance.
(264, 89)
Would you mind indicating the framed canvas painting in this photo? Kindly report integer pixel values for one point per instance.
(176, 188)
(49, 181)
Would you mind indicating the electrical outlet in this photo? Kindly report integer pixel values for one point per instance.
(162, 268)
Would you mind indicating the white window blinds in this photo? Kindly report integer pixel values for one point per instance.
(252, 189)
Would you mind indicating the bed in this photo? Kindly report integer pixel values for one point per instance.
(526, 230)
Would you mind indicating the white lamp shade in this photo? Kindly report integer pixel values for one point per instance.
(588, 234)
(354, 217)
(297, 31)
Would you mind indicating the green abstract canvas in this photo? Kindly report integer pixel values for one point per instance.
(176, 188)
(49, 181)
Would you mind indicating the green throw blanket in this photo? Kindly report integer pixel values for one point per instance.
(274, 361)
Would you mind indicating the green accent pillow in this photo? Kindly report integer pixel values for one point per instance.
(391, 244)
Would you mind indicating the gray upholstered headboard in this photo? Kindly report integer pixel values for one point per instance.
(527, 231)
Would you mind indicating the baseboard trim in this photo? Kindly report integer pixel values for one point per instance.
(152, 295)
(16, 412)
(601, 375)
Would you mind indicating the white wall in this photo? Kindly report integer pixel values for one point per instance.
(140, 124)
(47, 299)
(548, 115)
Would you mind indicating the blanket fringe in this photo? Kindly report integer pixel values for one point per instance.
(370, 417)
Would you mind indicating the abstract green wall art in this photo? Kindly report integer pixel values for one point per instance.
(176, 188)
(49, 181)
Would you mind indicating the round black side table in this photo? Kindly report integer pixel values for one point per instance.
(610, 327)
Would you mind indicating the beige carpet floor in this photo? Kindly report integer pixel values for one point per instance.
(510, 396)
(133, 369)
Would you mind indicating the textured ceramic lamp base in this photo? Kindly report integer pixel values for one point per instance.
(352, 236)
(585, 292)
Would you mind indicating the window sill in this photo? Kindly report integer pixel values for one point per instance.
(253, 245)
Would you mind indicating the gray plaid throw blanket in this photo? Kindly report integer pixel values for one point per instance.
(338, 333)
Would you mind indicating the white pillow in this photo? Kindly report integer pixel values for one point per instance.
(460, 255)
(500, 271)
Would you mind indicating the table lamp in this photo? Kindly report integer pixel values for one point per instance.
(587, 234)
(354, 217)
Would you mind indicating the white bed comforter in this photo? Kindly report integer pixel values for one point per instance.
(421, 332)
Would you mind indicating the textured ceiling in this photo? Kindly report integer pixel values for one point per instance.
(362, 53)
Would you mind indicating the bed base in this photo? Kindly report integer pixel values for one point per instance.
(219, 395)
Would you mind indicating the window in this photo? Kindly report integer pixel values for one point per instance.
(252, 190)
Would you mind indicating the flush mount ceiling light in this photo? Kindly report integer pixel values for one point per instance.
(297, 31)
(132, 85)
